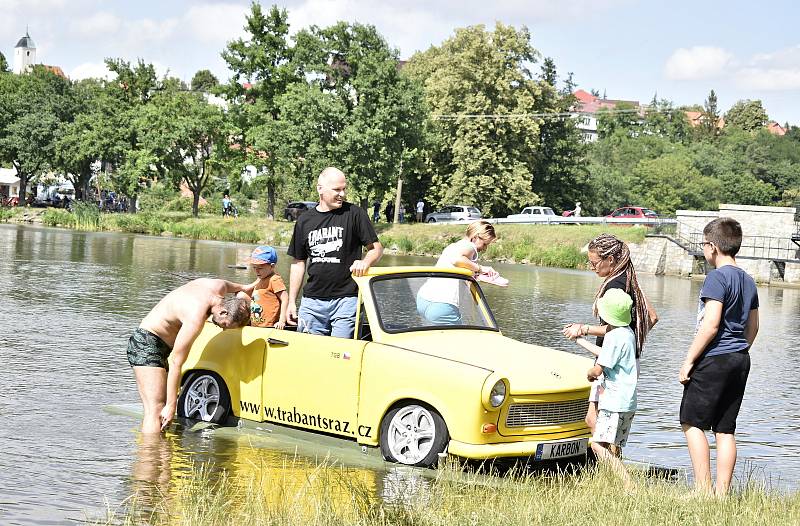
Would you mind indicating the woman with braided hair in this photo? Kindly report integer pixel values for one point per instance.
(610, 259)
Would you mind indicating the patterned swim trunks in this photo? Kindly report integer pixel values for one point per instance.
(148, 350)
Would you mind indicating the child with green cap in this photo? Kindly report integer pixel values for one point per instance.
(616, 361)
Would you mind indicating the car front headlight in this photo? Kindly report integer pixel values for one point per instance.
(498, 394)
(494, 392)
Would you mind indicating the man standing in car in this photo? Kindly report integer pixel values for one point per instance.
(328, 242)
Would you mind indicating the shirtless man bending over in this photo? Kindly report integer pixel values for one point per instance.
(169, 331)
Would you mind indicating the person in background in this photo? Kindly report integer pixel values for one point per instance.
(376, 211)
(401, 213)
(714, 373)
(420, 211)
(226, 205)
(610, 258)
(389, 211)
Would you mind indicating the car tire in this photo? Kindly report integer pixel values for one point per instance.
(413, 434)
(431, 220)
(204, 397)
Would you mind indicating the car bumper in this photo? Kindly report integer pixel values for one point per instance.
(507, 449)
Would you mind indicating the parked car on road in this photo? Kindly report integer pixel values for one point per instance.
(633, 212)
(534, 213)
(295, 208)
(454, 213)
(403, 384)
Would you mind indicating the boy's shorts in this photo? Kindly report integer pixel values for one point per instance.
(713, 396)
(613, 427)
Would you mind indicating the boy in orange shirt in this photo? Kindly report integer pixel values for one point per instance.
(270, 298)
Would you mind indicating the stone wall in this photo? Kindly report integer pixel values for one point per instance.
(661, 255)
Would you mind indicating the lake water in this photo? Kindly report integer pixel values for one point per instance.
(71, 299)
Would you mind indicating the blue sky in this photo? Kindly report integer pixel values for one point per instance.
(629, 49)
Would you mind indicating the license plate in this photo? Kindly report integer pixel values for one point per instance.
(570, 448)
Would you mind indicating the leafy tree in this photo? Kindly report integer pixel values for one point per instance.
(625, 116)
(749, 115)
(664, 120)
(204, 81)
(4, 64)
(709, 120)
(487, 161)
(560, 176)
(380, 132)
(263, 70)
(33, 108)
(183, 134)
(670, 182)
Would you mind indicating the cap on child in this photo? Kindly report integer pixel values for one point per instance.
(615, 307)
(263, 255)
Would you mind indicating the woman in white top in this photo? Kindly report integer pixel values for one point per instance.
(438, 298)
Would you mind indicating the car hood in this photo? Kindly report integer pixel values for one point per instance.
(530, 369)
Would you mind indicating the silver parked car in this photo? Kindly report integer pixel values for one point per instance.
(454, 213)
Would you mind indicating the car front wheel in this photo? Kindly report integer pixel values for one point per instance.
(431, 220)
(414, 435)
(204, 397)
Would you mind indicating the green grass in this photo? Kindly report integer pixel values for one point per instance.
(327, 495)
(545, 245)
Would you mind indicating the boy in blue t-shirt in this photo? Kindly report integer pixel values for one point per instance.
(715, 371)
(616, 362)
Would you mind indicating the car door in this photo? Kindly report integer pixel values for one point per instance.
(312, 381)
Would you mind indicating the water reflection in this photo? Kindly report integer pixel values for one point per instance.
(71, 299)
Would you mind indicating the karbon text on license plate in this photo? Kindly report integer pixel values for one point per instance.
(571, 448)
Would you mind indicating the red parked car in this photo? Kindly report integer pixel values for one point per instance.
(633, 212)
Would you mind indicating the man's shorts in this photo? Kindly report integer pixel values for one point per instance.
(714, 393)
(613, 427)
(145, 349)
(329, 317)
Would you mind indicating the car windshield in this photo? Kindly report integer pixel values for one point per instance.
(549, 212)
(473, 210)
(423, 302)
(647, 212)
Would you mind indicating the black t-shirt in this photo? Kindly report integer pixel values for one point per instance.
(619, 283)
(330, 242)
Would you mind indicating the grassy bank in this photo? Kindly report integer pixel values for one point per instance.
(546, 245)
(333, 496)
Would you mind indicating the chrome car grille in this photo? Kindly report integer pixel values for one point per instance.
(546, 413)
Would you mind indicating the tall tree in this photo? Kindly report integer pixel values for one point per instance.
(488, 160)
(709, 120)
(748, 115)
(183, 132)
(33, 108)
(204, 81)
(263, 69)
(4, 64)
(560, 176)
(381, 130)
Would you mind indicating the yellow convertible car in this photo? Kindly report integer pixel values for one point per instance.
(418, 388)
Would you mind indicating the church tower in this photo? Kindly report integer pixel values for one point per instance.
(24, 54)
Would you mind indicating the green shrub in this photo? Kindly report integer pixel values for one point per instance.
(87, 215)
(58, 217)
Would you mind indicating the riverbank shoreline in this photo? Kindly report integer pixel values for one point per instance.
(557, 246)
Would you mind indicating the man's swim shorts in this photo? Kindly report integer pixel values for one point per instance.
(148, 350)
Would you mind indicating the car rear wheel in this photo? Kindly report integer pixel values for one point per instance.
(204, 397)
(413, 434)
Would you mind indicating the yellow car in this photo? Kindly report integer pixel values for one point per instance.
(418, 388)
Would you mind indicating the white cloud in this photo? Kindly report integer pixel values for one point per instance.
(698, 63)
(776, 71)
(96, 25)
(91, 70)
(149, 30)
(216, 23)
